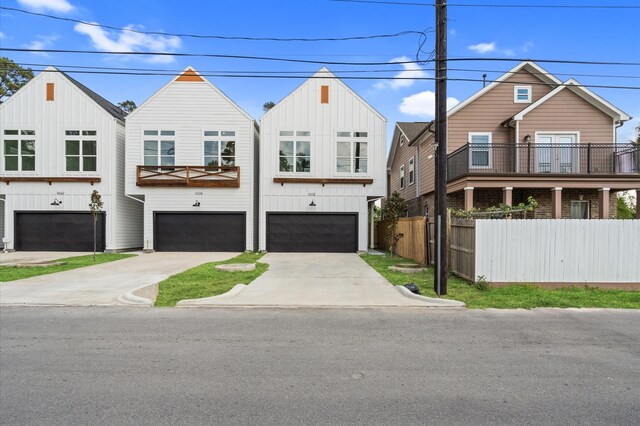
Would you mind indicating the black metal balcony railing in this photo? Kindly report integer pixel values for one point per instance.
(541, 159)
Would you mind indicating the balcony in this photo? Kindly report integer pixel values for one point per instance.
(189, 176)
(543, 159)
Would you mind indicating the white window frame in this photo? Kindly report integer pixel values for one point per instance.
(298, 136)
(80, 138)
(351, 138)
(581, 202)
(20, 137)
(402, 177)
(488, 149)
(412, 171)
(401, 140)
(522, 101)
(158, 139)
(219, 139)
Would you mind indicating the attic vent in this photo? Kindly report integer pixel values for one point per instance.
(189, 75)
(50, 91)
(324, 94)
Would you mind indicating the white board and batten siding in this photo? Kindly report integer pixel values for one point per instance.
(189, 108)
(302, 110)
(70, 109)
(558, 251)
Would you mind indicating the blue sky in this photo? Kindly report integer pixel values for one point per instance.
(571, 34)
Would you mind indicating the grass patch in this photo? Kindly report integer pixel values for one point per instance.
(206, 281)
(509, 297)
(12, 273)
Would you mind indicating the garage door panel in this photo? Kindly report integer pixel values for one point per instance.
(299, 232)
(59, 231)
(200, 231)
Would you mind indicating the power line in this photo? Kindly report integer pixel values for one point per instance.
(307, 61)
(305, 77)
(534, 6)
(218, 37)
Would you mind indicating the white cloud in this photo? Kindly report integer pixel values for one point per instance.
(527, 46)
(1, 35)
(55, 5)
(127, 41)
(41, 42)
(423, 104)
(483, 47)
(405, 78)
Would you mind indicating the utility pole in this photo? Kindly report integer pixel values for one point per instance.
(440, 276)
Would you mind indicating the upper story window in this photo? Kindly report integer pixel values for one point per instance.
(219, 148)
(480, 149)
(80, 150)
(411, 171)
(402, 177)
(522, 94)
(159, 148)
(351, 153)
(295, 151)
(19, 150)
(401, 140)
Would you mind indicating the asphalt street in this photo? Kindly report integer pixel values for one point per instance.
(126, 366)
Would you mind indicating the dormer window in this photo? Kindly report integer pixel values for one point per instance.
(522, 94)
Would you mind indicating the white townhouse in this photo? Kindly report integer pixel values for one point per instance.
(60, 141)
(322, 166)
(190, 161)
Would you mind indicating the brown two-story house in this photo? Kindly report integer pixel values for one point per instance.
(526, 134)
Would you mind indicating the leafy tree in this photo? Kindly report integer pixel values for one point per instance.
(268, 105)
(96, 208)
(12, 77)
(394, 208)
(127, 106)
(625, 208)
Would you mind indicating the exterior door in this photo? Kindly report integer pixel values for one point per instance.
(557, 153)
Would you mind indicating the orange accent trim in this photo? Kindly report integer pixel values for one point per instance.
(50, 91)
(189, 75)
(324, 94)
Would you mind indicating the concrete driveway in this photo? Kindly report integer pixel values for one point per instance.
(14, 257)
(321, 280)
(103, 284)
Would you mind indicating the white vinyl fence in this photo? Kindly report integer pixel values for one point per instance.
(558, 251)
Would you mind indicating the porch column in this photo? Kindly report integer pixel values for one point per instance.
(468, 198)
(638, 203)
(603, 203)
(507, 196)
(372, 225)
(556, 203)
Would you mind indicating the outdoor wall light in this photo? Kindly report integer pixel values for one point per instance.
(527, 138)
(196, 204)
(312, 204)
(56, 202)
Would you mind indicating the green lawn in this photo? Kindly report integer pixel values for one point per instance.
(514, 296)
(207, 281)
(12, 273)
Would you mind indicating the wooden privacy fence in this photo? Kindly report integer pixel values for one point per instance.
(461, 246)
(413, 245)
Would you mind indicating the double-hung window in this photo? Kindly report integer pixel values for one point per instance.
(19, 150)
(580, 209)
(295, 151)
(411, 170)
(219, 148)
(480, 150)
(159, 148)
(351, 153)
(402, 177)
(522, 94)
(80, 150)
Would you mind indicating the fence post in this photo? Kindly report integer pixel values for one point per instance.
(528, 157)
(448, 248)
(589, 157)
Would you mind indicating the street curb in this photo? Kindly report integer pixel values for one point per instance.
(206, 301)
(141, 296)
(446, 303)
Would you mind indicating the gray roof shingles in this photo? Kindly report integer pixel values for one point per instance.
(112, 109)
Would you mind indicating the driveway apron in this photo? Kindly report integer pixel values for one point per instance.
(102, 284)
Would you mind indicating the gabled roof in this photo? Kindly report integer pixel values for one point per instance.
(324, 72)
(410, 130)
(112, 109)
(585, 94)
(189, 74)
(536, 70)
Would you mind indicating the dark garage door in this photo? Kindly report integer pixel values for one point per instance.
(200, 231)
(59, 231)
(313, 232)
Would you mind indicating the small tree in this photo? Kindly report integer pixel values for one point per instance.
(394, 208)
(96, 208)
(268, 105)
(625, 208)
(127, 106)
